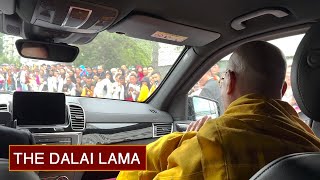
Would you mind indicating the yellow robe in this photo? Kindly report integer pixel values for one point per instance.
(152, 89)
(252, 132)
(144, 93)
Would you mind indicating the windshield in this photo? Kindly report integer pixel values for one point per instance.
(111, 66)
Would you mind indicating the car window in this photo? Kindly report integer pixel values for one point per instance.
(112, 66)
(208, 85)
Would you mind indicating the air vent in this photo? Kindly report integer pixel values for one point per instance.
(161, 129)
(77, 117)
(3, 107)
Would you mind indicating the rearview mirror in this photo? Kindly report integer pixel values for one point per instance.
(202, 106)
(47, 51)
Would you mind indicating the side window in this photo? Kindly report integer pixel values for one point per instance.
(208, 89)
(208, 85)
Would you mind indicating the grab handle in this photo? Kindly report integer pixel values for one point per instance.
(238, 25)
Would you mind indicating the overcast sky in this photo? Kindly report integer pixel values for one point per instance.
(288, 45)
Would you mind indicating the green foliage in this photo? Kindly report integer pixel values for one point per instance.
(113, 50)
(3, 58)
(6, 60)
(1, 43)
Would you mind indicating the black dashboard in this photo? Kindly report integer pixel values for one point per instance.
(100, 121)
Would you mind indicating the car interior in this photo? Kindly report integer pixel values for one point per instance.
(207, 30)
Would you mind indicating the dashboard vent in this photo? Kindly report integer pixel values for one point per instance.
(3, 107)
(161, 129)
(77, 117)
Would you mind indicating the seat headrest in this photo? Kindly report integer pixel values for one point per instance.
(305, 73)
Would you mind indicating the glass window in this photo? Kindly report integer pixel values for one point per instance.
(208, 87)
(111, 66)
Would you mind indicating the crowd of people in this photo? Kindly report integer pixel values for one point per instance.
(135, 84)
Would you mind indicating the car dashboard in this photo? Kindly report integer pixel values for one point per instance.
(93, 121)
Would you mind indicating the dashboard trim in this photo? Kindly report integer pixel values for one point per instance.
(76, 137)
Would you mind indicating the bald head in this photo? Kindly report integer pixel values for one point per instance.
(257, 67)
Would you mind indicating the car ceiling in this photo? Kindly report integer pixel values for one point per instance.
(213, 16)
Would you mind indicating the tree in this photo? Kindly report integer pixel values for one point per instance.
(1, 43)
(113, 50)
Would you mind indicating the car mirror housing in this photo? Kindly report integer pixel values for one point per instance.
(47, 51)
(201, 106)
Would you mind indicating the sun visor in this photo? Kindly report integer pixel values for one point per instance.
(149, 28)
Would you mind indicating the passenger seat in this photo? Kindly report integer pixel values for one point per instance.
(6, 174)
(11, 136)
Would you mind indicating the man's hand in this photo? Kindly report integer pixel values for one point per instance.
(196, 125)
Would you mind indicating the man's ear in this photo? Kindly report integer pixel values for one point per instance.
(284, 88)
(231, 82)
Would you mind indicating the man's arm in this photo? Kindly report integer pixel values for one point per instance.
(157, 156)
(159, 151)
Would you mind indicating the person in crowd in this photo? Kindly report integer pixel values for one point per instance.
(144, 91)
(113, 71)
(58, 67)
(90, 73)
(33, 85)
(16, 77)
(100, 73)
(132, 88)
(83, 71)
(150, 71)
(210, 88)
(2, 81)
(139, 73)
(125, 69)
(77, 72)
(10, 80)
(107, 86)
(43, 85)
(121, 71)
(94, 71)
(61, 79)
(95, 79)
(155, 81)
(118, 87)
(87, 89)
(51, 81)
(145, 72)
(65, 89)
(71, 87)
(83, 80)
(215, 72)
(37, 76)
(78, 87)
(256, 128)
(23, 79)
(98, 89)
(196, 90)
(72, 76)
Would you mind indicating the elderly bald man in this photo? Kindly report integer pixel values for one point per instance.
(256, 128)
